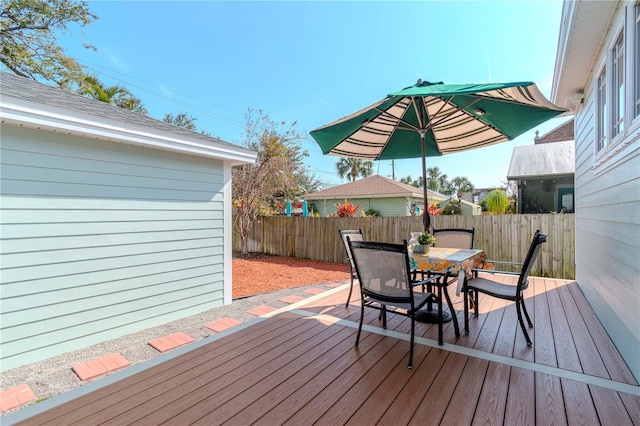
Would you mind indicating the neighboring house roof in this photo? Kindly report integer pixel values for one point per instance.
(564, 132)
(28, 103)
(583, 27)
(542, 160)
(371, 187)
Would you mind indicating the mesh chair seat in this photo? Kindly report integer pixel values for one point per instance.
(386, 284)
(496, 289)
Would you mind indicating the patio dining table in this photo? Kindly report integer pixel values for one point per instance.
(447, 262)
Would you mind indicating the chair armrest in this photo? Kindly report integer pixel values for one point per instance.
(425, 282)
(489, 266)
(502, 262)
(495, 271)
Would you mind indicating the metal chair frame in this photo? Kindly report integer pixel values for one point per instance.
(344, 234)
(376, 277)
(505, 291)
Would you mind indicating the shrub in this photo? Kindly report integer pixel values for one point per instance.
(371, 213)
(347, 209)
(497, 201)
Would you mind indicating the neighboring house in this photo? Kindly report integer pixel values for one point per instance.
(477, 195)
(468, 209)
(389, 197)
(112, 222)
(544, 172)
(597, 75)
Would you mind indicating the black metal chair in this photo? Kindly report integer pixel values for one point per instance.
(354, 235)
(385, 284)
(505, 291)
(452, 238)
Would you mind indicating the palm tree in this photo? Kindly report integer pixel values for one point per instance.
(94, 88)
(433, 173)
(461, 184)
(352, 168)
(115, 95)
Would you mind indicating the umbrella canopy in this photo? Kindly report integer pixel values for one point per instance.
(433, 119)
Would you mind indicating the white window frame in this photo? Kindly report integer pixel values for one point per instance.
(634, 41)
(601, 113)
(621, 118)
(617, 80)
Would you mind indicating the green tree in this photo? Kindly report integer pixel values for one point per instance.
(433, 173)
(115, 95)
(182, 120)
(461, 184)
(409, 181)
(352, 168)
(444, 186)
(256, 187)
(497, 201)
(28, 39)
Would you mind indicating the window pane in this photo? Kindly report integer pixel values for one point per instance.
(602, 110)
(617, 104)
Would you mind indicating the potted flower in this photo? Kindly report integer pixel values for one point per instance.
(425, 239)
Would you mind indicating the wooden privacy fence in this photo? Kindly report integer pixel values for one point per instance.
(502, 237)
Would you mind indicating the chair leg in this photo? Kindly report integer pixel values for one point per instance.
(454, 317)
(475, 303)
(384, 316)
(526, 314)
(413, 326)
(350, 290)
(360, 326)
(465, 295)
(521, 321)
(440, 339)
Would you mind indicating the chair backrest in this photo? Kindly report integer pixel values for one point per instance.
(383, 270)
(454, 238)
(536, 244)
(354, 235)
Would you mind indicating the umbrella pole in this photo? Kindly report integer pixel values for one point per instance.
(426, 220)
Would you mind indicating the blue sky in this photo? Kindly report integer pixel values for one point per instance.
(315, 62)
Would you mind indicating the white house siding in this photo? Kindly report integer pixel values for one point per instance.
(608, 229)
(99, 240)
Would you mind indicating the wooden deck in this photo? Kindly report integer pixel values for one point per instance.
(300, 368)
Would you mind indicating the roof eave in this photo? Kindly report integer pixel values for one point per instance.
(32, 115)
(583, 27)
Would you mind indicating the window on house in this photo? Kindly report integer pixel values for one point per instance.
(617, 76)
(602, 110)
(637, 54)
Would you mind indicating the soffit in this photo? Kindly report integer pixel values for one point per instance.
(583, 30)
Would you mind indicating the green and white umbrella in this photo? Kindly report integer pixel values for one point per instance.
(433, 119)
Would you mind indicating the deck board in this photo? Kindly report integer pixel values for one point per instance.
(297, 368)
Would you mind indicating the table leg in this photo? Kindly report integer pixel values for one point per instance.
(430, 315)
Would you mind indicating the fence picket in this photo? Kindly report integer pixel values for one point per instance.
(503, 237)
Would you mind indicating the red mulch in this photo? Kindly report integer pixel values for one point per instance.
(257, 273)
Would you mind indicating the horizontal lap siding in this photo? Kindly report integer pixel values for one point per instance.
(388, 207)
(607, 229)
(100, 240)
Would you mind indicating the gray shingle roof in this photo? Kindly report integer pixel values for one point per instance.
(26, 89)
(372, 186)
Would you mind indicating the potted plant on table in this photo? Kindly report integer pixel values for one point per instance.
(425, 240)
